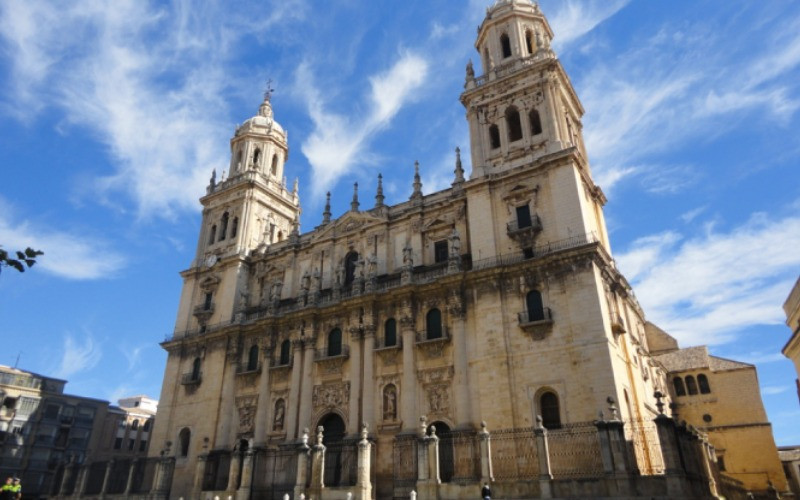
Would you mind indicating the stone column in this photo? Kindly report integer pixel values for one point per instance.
(363, 482)
(294, 390)
(355, 379)
(368, 392)
(131, 471)
(487, 474)
(428, 480)
(317, 466)
(307, 384)
(302, 466)
(199, 473)
(423, 470)
(80, 484)
(262, 410)
(166, 466)
(543, 452)
(107, 478)
(460, 363)
(408, 394)
(227, 404)
(706, 452)
(670, 451)
(69, 470)
(243, 493)
(233, 470)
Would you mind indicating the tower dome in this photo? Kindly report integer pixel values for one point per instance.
(263, 122)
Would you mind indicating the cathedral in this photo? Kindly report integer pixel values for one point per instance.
(492, 304)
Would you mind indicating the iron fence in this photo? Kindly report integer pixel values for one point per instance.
(94, 482)
(144, 471)
(575, 451)
(118, 479)
(341, 464)
(72, 480)
(216, 473)
(459, 457)
(643, 442)
(404, 465)
(274, 473)
(514, 454)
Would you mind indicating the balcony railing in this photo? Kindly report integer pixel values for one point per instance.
(276, 362)
(243, 369)
(422, 336)
(380, 344)
(533, 225)
(191, 378)
(535, 317)
(328, 353)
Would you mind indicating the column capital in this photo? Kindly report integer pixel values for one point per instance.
(369, 330)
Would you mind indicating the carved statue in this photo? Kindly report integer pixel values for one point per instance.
(390, 403)
(275, 293)
(213, 181)
(470, 71)
(372, 266)
(455, 244)
(277, 422)
(408, 256)
(359, 271)
(305, 282)
(339, 275)
(539, 43)
(316, 279)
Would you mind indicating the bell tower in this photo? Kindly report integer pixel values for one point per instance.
(523, 107)
(249, 210)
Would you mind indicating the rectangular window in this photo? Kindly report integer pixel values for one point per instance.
(721, 462)
(207, 303)
(51, 411)
(131, 442)
(440, 251)
(142, 445)
(118, 444)
(523, 216)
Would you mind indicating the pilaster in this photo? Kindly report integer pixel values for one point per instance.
(294, 390)
(306, 386)
(262, 411)
(408, 394)
(355, 379)
(368, 393)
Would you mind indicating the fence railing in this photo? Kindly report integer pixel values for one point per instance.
(94, 482)
(644, 446)
(341, 464)
(144, 472)
(217, 470)
(575, 451)
(459, 457)
(404, 464)
(514, 454)
(274, 473)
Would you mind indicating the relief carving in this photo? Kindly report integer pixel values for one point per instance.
(246, 405)
(330, 396)
(438, 398)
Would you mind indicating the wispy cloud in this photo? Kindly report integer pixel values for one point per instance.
(773, 390)
(147, 80)
(339, 141)
(67, 255)
(78, 355)
(705, 289)
(572, 19)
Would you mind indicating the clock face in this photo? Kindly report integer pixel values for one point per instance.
(211, 260)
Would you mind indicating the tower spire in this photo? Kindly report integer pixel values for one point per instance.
(379, 195)
(417, 194)
(459, 171)
(354, 204)
(326, 215)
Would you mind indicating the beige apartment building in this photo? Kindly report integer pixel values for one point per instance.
(494, 303)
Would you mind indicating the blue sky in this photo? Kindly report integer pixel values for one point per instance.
(113, 114)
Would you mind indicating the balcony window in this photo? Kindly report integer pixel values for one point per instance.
(551, 414)
(440, 251)
(702, 381)
(196, 369)
(433, 324)
(533, 303)
(207, 302)
(252, 359)
(523, 216)
(350, 267)
(286, 347)
(390, 333)
(677, 384)
(335, 342)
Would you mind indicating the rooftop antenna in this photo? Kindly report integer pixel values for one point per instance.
(268, 92)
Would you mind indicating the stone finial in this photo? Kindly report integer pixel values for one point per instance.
(349, 495)
(539, 422)
(612, 408)
(433, 431)
(354, 204)
(659, 403)
(326, 215)
(296, 187)
(674, 409)
(364, 431)
(459, 171)
(423, 426)
(379, 196)
(417, 194)
(484, 432)
(304, 437)
(320, 431)
(470, 71)
(213, 181)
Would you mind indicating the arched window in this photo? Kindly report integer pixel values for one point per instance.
(335, 342)
(533, 303)
(505, 44)
(548, 406)
(274, 169)
(514, 124)
(536, 122)
(146, 426)
(256, 156)
(134, 425)
(212, 235)
(183, 439)
(196, 369)
(286, 347)
(350, 267)
(680, 389)
(234, 227)
(529, 41)
(494, 136)
(702, 381)
(223, 229)
(280, 235)
(390, 333)
(691, 385)
(252, 359)
(433, 324)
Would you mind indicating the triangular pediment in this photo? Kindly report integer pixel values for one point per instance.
(347, 223)
(437, 223)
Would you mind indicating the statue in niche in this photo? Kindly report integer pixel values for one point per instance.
(372, 266)
(390, 402)
(539, 43)
(280, 411)
(305, 282)
(275, 292)
(470, 71)
(408, 256)
(455, 244)
(316, 279)
(339, 276)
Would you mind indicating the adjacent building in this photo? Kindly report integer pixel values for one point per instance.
(792, 348)
(126, 430)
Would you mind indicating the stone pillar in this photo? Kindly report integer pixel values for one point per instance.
(166, 467)
(423, 471)
(199, 473)
(355, 379)
(233, 470)
(227, 403)
(429, 487)
(302, 465)
(262, 411)
(670, 451)
(706, 452)
(543, 453)
(368, 392)
(363, 481)
(80, 484)
(317, 466)
(294, 390)
(107, 478)
(463, 411)
(408, 394)
(487, 474)
(307, 384)
(131, 471)
(243, 493)
(69, 470)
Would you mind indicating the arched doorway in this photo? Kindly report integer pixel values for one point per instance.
(336, 471)
(446, 455)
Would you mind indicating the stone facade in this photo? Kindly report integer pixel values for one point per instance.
(495, 300)
(792, 348)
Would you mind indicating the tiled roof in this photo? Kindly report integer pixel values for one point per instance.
(695, 358)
